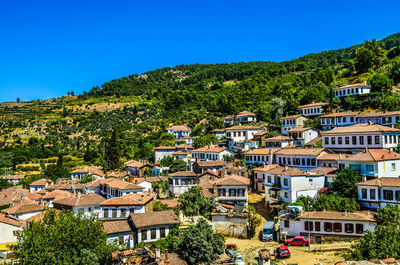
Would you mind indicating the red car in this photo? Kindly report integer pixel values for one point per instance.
(282, 252)
(298, 241)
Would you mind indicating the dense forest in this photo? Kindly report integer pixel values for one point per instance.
(128, 116)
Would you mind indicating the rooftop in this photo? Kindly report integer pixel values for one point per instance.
(331, 215)
(286, 171)
(81, 200)
(142, 220)
(364, 84)
(232, 180)
(41, 182)
(25, 206)
(129, 199)
(381, 182)
(361, 129)
(313, 105)
(10, 220)
(210, 149)
(243, 128)
(301, 129)
(301, 151)
(262, 151)
(278, 138)
(117, 227)
(211, 163)
(245, 113)
(133, 163)
(178, 128)
(292, 117)
(340, 114)
(183, 174)
(373, 155)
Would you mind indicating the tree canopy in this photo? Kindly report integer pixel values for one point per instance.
(193, 203)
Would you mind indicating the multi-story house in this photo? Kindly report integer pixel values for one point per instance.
(302, 136)
(290, 122)
(118, 188)
(211, 152)
(353, 89)
(359, 136)
(373, 163)
(183, 155)
(237, 135)
(163, 151)
(181, 181)
(47, 199)
(278, 142)
(24, 210)
(39, 185)
(13, 179)
(313, 109)
(93, 171)
(379, 192)
(245, 117)
(260, 156)
(88, 204)
(179, 131)
(121, 207)
(301, 158)
(326, 224)
(200, 167)
(337, 120)
(286, 184)
(219, 133)
(259, 176)
(228, 120)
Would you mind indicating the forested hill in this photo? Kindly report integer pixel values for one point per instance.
(142, 106)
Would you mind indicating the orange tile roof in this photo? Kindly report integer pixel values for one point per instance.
(286, 171)
(123, 185)
(245, 113)
(170, 203)
(327, 171)
(117, 227)
(211, 163)
(313, 105)
(41, 182)
(381, 182)
(164, 148)
(142, 220)
(279, 138)
(129, 199)
(313, 142)
(261, 151)
(374, 155)
(335, 157)
(243, 128)
(292, 117)
(217, 130)
(11, 221)
(183, 174)
(331, 215)
(301, 151)
(360, 129)
(179, 128)
(265, 168)
(81, 200)
(353, 85)
(25, 206)
(340, 114)
(58, 194)
(15, 194)
(232, 180)
(210, 149)
(133, 163)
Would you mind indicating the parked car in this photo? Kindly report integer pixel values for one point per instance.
(298, 241)
(268, 231)
(231, 251)
(282, 252)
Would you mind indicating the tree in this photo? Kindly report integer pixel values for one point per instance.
(329, 202)
(381, 83)
(177, 165)
(166, 161)
(395, 73)
(18, 100)
(199, 245)
(384, 242)
(344, 183)
(64, 238)
(55, 171)
(159, 206)
(254, 221)
(193, 203)
(370, 55)
(113, 151)
(205, 140)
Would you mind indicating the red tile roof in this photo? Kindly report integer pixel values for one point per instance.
(374, 155)
(211, 163)
(210, 149)
(286, 171)
(243, 128)
(313, 105)
(327, 171)
(292, 117)
(117, 227)
(41, 182)
(179, 128)
(183, 174)
(381, 182)
(361, 129)
(123, 185)
(25, 206)
(331, 215)
(129, 199)
(81, 200)
(261, 151)
(232, 180)
(278, 138)
(143, 220)
(301, 151)
(134, 163)
(58, 194)
(10, 220)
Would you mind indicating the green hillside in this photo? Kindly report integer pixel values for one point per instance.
(142, 106)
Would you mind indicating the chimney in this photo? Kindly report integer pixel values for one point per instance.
(263, 164)
(158, 254)
(365, 83)
(345, 213)
(142, 198)
(215, 190)
(364, 178)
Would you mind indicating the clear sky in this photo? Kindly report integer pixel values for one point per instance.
(50, 47)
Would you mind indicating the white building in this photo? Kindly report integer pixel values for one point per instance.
(24, 209)
(313, 109)
(120, 233)
(179, 131)
(47, 199)
(357, 137)
(13, 179)
(353, 89)
(163, 151)
(260, 176)
(290, 122)
(245, 117)
(183, 155)
(122, 207)
(39, 185)
(302, 136)
(278, 142)
(379, 192)
(236, 136)
(9, 228)
(211, 152)
(93, 171)
(118, 188)
(260, 156)
(87, 204)
(301, 158)
(326, 224)
(374, 163)
(219, 133)
(286, 184)
(337, 120)
(181, 181)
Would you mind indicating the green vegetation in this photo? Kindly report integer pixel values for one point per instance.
(193, 203)
(64, 238)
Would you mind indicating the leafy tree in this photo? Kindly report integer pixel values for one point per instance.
(18, 100)
(384, 242)
(64, 238)
(193, 203)
(228, 158)
(254, 220)
(4, 184)
(370, 55)
(177, 165)
(112, 157)
(395, 73)
(205, 140)
(344, 183)
(166, 161)
(159, 206)
(55, 171)
(199, 245)
(329, 202)
(381, 83)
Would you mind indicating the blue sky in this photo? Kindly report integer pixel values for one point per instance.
(50, 47)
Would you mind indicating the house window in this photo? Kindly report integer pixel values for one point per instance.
(308, 226)
(347, 140)
(344, 119)
(372, 194)
(123, 212)
(114, 213)
(313, 161)
(337, 227)
(80, 210)
(361, 139)
(286, 223)
(333, 140)
(364, 193)
(286, 195)
(369, 139)
(144, 234)
(162, 232)
(328, 227)
(269, 179)
(393, 166)
(15, 233)
(370, 168)
(326, 140)
(351, 119)
(349, 228)
(359, 228)
(105, 213)
(354, 140)
(153, 233)
(377, 139)
(317, 226)
(388, 195)
(232, 192)
(121, 240)
(303, 162)
(340, 140)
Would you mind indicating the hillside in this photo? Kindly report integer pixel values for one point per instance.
(142, 106)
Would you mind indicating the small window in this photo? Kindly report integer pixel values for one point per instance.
(354, 140)
(349, 228)
(286, 223)
(114, 213)
(269, 179)
(337, 227)
(369, 140)
(326, 140)
(285, 182)
(340, 140)
(286, 195)
(372, 194)
(388, 195)
(359, 228)
(317, 226)
(347, 140)
(123, 212)
(153, 233)
(162, 232)
(105, 213)
(308, 226)
(393, 166)
(15, 232)
(370, 168)
(328, 227)
(377, 141)
(364, 193)
(121, 240)
(144, 234)
(333, 140)
(361, 139)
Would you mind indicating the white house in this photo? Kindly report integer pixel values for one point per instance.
(118, 188)
(93, 171)
(379, 192)
(13, 179)
(9, 228)
(313, 109)
(163, 151)
(359, 136)
(219, 133)
(119, 232)
(237, 135)
(121, 207)
(286, 184)
(245, 117)
(302, 136)
(24, 209)
(279, 141)
(260, 156)
(374, 163)
(39, 185)
(301, 158)
(179, 131)
(187, 139)
(47, 199)
(290, 122)
(153, 226)
(211, 152)
(87, 204)
(144, 183)
(326, 224)
(353, 89)
(337, 120)
(260, 176)
(183, 155)
(181, 181)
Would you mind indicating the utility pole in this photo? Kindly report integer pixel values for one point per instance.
(309, 228)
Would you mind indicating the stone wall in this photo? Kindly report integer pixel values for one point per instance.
(228, 224)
